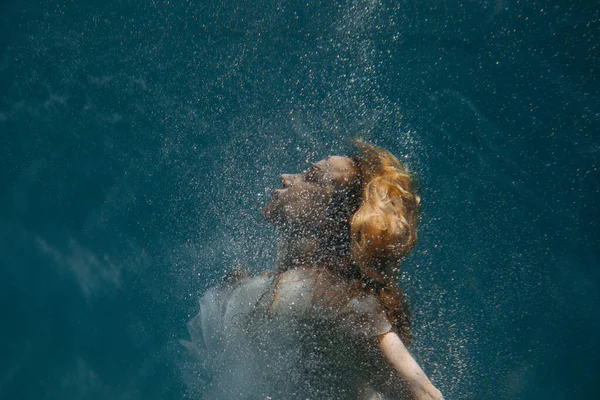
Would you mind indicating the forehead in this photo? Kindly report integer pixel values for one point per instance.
(338, 168)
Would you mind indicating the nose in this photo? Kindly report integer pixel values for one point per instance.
(287, 180)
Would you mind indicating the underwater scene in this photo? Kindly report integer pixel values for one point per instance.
(142, 141)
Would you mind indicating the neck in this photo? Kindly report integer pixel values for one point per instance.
(308, 250)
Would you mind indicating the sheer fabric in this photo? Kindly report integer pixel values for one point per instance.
(303, 333)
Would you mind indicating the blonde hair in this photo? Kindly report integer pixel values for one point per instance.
(384, 228)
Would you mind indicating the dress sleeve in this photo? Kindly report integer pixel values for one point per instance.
(363, 315)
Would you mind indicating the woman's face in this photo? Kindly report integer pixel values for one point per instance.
(305, 200)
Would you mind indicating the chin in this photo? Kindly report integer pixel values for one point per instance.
(272, 213)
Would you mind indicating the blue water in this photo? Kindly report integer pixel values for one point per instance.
(138, 139)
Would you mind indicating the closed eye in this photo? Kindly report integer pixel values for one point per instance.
(312, 174)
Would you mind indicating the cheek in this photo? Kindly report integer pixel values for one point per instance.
(309, 206)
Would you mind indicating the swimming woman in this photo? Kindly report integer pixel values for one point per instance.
(331, 322)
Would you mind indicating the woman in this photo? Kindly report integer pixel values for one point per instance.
(331, 322)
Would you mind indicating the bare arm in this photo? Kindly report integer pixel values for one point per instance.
(413, 380)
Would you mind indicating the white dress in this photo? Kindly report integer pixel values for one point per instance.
(300, 334)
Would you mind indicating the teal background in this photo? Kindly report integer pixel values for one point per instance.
(138, 139)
